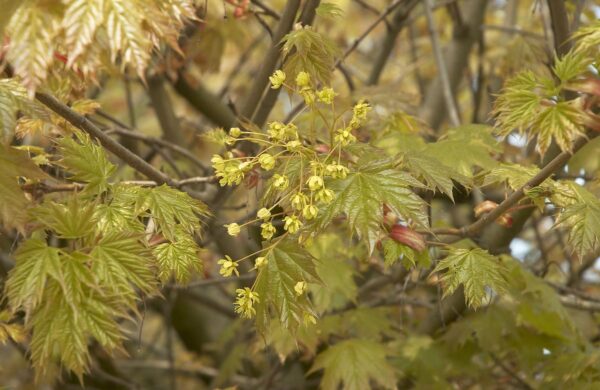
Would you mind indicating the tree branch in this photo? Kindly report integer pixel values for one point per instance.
(433, 110)
(113, 146)
(441, 65)
(261, 80)
(206, 103)
(163, 108)
(394, 28)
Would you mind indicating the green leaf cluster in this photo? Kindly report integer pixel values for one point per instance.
(476, 270)
(362, 194)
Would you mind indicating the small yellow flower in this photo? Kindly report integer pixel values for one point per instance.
(337, 171)
(277, 79)
(229, 140)
(300, 288)
(345, 136)
(228, 267)
(218, 162)
(280, 182)
(309, 319)
(293, 146)
(276, 130)
(298, 201)
(303, 79)
(266, 161)
(291, 131)
(233, 229)
(360, 111)
(314, 182)
(291, 224)
(326, 95)
(244, 303)
(325, 195)
(267, 230)
(310, 212)
(260, 262)
(235, 132)
(308, 95)
(263, 213)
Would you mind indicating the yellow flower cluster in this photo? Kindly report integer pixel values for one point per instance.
(228, 267)
(299, 166)
(244, 302)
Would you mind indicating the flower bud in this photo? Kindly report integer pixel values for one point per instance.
(280, 182)
(314, 182)
(408, 237)
(264, 213)
(235, 132)
(303, 79)
(310, 212)
(266, 161)
(233, 229)
(277, 79)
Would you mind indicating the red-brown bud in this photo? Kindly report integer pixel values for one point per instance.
(408, 237)
(322, 148)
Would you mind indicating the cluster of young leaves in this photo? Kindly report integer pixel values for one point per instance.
(311, 52)
(88, 255)
(453, 159)
(87, 35)
(14, 99)
(534, 104)
(476, 270)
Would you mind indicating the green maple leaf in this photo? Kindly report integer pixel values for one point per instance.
(515, 175)
(436, 175)
(13, 203)
(361, 196)
(354, 363)
(561, 122)
(35, 264)
(122, 263)
(392, 251)
(334, 271)
(539, 305)
(13, 99)
(311, 52)
(73, 219)
(287, 264)
(329, 10)
(171, 207)
(61, 330)
(582, 220)
(87, 161)
(476, 270)
(465, 147)
(178, 258)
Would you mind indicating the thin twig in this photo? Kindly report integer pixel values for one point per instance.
(554, 165)
(159, 142)
(183, 369)
(441, 65)
(513, 30)
(211, 282)
(510, 372)
(49, 188)
(266, 9)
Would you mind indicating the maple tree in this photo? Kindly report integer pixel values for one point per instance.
(299, 194)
